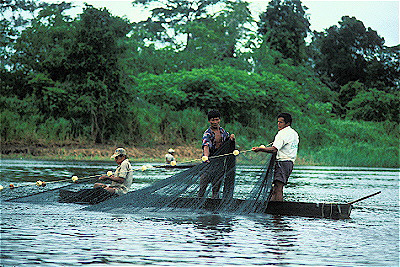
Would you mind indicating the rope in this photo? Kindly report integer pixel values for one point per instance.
(74, 179)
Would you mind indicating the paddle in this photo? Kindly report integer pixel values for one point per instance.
(357, 200)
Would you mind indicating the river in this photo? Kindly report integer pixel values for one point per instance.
(60, 234)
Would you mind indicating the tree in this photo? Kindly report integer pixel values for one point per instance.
(168, 17)
(344, 52)
(199, 37)
(285, 26)
(72, 67)
(45, 45)
(95, 70)
(16, 16)
(11, 22)
(217, 39)
(40, 47)
(383, 70)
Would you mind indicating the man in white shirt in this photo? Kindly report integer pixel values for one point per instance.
(169, 157)
(285, 145)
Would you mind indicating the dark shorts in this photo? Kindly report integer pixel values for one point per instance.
(283, 169)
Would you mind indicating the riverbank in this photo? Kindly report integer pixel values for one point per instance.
(81, 151)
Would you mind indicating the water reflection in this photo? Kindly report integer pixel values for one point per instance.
(281, 238)
(212, 230)
(216, 233)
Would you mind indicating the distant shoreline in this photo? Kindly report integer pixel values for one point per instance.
(101, 152)
(77, 151)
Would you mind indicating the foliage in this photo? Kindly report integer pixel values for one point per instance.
(73, 67)
(199, 38)
(227, 89)
(356, 64)
(168, 18)
(346, 50)
(14, 15)
(375, 105)
(285, 27)
(367, 144)
(383, 70)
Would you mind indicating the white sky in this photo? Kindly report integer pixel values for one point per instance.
(381, 16)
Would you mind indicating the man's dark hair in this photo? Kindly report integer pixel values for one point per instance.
(287, 117)
(213, 114)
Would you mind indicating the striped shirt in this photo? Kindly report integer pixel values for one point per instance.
(209, 139)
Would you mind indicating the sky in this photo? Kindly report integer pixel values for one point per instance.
(381, 16)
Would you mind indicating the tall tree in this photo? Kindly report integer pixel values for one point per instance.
(360, 68)
(38, 48)
(168, 17)
(13, 15)
(383, 70)
(202, 33)
(218, 38)
(285, 26)
(45, 44)
(344, 51)
(72, 67)
(95, 70)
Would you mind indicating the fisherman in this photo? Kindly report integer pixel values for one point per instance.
(285, 145)
(169, 157)
(122, 179)
(213, 138)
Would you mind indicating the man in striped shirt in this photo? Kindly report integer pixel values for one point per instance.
(213, 138)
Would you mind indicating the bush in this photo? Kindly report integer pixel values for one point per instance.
(375, 105)
(230, 90)
(55, 129)
(16, 128)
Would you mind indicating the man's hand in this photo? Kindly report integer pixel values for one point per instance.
(206, 153)
(205, 159)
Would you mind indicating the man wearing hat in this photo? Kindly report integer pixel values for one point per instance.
(169, 156)
(122, 179)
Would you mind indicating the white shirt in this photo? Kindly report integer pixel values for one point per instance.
(287, 143)
(169, 158)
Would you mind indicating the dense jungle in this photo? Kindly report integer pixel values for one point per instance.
(79, 86)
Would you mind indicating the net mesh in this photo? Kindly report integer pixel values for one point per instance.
(190, 189)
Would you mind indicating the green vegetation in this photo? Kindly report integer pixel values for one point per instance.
(98, 78)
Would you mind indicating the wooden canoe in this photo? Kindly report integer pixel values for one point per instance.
(287, 208)
(85, 196)
(305, 209)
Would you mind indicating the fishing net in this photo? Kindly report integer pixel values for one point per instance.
(50, 192)
(191, 189)
(244, 192)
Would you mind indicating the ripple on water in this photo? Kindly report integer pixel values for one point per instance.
(63, 234)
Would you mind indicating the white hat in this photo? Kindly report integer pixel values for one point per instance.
(118, 152)
(171, 150)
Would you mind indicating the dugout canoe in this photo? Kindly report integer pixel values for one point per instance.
(286, 208)
(85, 196)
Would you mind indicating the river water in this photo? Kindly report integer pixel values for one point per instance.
(59, 234)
